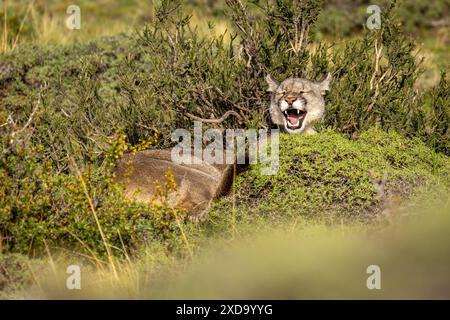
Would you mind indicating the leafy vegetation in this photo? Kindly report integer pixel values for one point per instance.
(168, 75)
(14, 275)
(84, 210)
(67, 113)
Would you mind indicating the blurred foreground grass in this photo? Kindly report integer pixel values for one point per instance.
(296, 261)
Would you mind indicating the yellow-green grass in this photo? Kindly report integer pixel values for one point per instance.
(298, 260)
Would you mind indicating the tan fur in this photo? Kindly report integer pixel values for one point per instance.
(197, 184)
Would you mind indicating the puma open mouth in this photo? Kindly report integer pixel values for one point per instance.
(294, 118)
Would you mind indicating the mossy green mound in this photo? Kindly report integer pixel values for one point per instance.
(332, 177)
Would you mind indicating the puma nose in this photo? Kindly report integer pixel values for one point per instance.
(290, 100)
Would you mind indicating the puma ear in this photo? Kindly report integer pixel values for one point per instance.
(273, 84)
(324, 85)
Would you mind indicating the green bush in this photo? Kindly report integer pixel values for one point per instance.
(165, 76)
(85, 210)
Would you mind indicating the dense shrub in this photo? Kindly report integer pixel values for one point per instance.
(168, 75)
(41, 207)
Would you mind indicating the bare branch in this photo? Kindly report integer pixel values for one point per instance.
(220, 120)
(30, 119)
(378, 52)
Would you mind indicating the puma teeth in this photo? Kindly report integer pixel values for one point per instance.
(298, 111)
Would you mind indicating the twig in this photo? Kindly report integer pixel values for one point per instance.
(378, 52)
(440, 23)
(220, 120)
(30, 119)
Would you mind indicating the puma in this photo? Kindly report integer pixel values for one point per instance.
(296, 105)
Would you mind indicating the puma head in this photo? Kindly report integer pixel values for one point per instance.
(297, 104)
